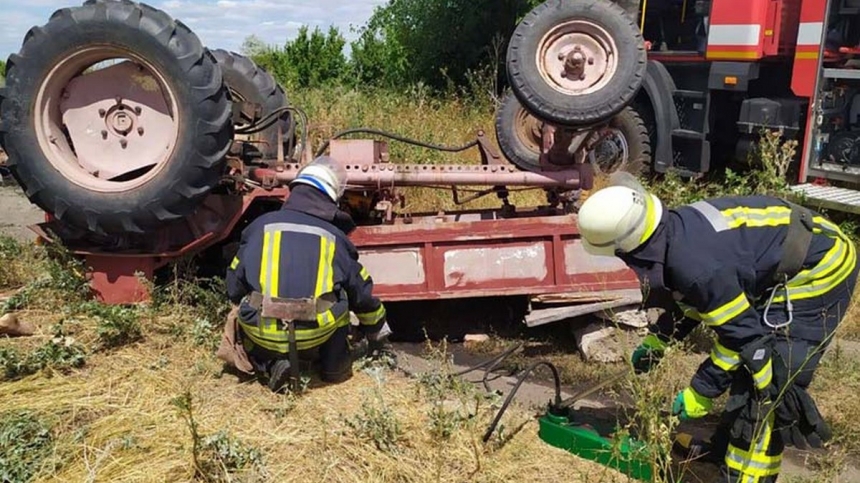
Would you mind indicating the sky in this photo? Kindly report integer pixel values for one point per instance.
(219, 23)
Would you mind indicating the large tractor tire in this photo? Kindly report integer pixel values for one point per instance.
(625, 147)
(576, 63)
(248, 82)
(115, 117)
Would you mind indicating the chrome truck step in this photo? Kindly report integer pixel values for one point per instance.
(829, 197)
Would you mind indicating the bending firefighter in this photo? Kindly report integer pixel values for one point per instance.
(771, 278)
(297, 265)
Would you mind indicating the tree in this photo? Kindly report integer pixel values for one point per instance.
(311, 59)
(442, 41)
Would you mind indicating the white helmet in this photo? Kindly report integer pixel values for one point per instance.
(325, 174)
(619, 218)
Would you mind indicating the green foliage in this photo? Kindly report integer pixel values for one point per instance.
(450, 46)
(59, 354)
(117, 325)
(443, 41)
(770, 161)
(219, 457)
(25, 444)
(376, 422)
(227, 456)
(312, 59)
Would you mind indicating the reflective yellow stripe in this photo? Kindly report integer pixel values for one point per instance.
(274, 338)
(727, 312)
(835, 270)
(364, 274)
(725, 359)
(755, 463)
(757, 217)
(275, 268)
(370, 318)
(234, 263)
(265, 263)
(650, 219)
(764, 376)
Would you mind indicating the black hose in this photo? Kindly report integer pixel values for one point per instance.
(516, 388)
(492, 362)
(270, 119)
(378, 132)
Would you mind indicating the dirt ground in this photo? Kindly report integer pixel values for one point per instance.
(17, 211)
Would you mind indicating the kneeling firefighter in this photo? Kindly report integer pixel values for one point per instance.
(771, 278)
(301, 253)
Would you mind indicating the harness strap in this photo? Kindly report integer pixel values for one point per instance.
(796, 244)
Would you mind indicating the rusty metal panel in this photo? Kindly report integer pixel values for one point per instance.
(395, 267)
(490, 257)
(521, 263)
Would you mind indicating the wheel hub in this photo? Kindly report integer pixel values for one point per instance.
(120, 121)
(577, 58)
(109, 129)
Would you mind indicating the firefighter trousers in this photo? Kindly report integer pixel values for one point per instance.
(333, 355)
(758, 459)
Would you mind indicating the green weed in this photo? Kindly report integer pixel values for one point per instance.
(376, 422)
(117, 325)
(60, 354)
(25, 444)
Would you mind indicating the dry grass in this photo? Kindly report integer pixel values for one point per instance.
(115, 420)
(418, 116)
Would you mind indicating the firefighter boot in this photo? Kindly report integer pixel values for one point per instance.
(279, 375)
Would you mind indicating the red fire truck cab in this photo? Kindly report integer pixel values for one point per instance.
(720, 71)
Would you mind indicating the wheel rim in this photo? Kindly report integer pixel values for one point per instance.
(577, 58)
(107, 128)
(527, 129)
(612, 153)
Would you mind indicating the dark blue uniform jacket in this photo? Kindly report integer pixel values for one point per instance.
(717, 258)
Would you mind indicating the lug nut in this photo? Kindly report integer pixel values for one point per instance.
(591, 61)
(561, 56)
(123, 143)
(140, 130)
(118, 100)
(104, 134)
(138, 110)
(102, 113)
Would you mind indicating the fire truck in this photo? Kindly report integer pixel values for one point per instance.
(721, 71)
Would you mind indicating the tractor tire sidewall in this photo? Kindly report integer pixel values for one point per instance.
(554, 106)
(513, 148)
(190, 72)
(254, 84)
(635, 132)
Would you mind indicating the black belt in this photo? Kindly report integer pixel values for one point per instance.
(796, 244)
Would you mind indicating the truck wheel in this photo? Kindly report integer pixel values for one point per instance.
(518, 134)
(249, 83)
(115, 117)
(576, 63)
(625, 147)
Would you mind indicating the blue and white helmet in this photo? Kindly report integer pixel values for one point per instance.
(325, 174)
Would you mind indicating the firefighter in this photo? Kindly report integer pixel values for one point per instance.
(302, 252)
(772, 279)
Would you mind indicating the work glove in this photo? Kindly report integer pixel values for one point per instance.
(689, 404)
(378, 344)
(647, 354)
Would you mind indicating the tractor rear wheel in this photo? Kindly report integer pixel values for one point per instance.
(625, 146)
(576, 63)
(248, 82)
(115, 117)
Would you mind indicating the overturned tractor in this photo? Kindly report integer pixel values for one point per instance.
(143, 146)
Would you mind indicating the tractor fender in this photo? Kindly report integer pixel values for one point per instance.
(659, 87)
